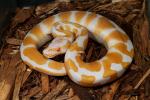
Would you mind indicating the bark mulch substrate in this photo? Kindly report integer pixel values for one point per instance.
(18, 81)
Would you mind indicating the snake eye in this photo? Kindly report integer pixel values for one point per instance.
(58, 49)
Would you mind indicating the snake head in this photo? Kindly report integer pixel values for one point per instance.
(52, 52)
(56, 47)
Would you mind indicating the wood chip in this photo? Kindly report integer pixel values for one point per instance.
(124, 97)
(134, 67)
(45, 83)
(13, 52)
(74, 98)
(8, 73)
(149, 48)
(62, 97)
(33, 91)
(127, 88)
(20, 34)
(89, 54)
(111, 92)
(64, 1)
(21, 16)
(130, 17)
(18, 81)
(44, 8)
(147, 88)
(39, 95)
(25, 98)
(13, 41)
(81, 91)
(71, 92)
(145, 37)
(114, 1)
(56, 91)
(142, 79)
(26, 75)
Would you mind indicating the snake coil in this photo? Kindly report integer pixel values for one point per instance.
(67, 26)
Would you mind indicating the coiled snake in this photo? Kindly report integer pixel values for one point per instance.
(70, 31)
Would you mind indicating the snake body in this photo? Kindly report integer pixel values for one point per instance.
(67, 26)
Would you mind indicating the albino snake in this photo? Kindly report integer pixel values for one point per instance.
(67, 26)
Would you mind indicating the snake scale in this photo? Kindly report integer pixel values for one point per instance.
(70, 31)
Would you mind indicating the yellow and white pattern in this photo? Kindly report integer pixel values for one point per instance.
(70, 31)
